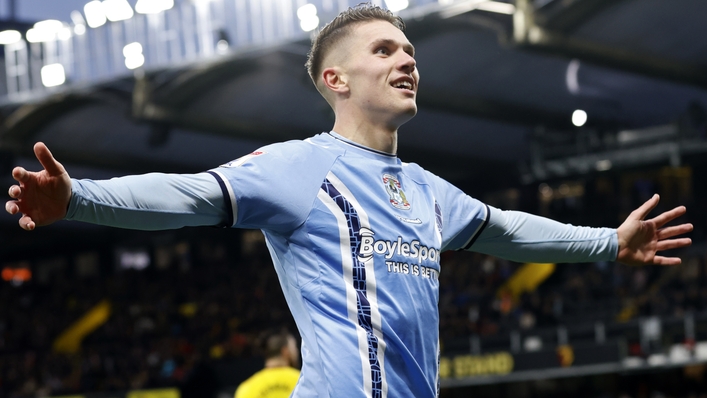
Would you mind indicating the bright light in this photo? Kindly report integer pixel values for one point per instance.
(44, 31)
(80, 29)
(497, 6)
(397, 5)
(39, 36)
(307, 11)
(95, 15)
(579, 118)
(50, 25)
(53, 75)
(153, 6)
(135, 62)
(309, 24)
(10, 37)
(132, 49)
(222, 47)
(117, 10)
(77, 18)
(603, 165)
(308, 19)
(133, 55)
(453, 9)
(64, 34)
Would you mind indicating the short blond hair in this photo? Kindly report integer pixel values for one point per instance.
(340, 27)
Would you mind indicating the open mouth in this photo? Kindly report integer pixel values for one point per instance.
(404, 85)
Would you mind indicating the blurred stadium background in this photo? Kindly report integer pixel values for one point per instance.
(574, 109)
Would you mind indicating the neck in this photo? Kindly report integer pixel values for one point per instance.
(276, 362)
(374, 136)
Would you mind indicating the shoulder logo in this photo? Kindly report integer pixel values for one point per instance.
(238, 162)
(396, 195)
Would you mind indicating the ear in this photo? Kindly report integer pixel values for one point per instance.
(335, 80)
(285, 353)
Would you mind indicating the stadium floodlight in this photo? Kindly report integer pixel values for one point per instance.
(308, 19)
(53, 75)
(497, 7)
(222, 46)
(465, 6)
(10, 37)
(49, 25)
(153, 6)
(117, 10)
(79, 22)
(95, 14)
(64, 34)
(133, 55)
(307, 11)
(579, 118)
(135, 61)
(39, 36)
(132, 49)
(397, 5)
(79, 29)
(44, 31)
(77, 18)
(603, 165)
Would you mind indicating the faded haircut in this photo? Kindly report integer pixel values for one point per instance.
(339, 28)
(272, 342)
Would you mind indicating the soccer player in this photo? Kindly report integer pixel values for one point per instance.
(280, 376)
(354, 233)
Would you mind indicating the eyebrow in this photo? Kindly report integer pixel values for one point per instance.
(407, 47)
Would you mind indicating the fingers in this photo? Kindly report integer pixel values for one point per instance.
(645, 208)
(669, 261)
(673, 244)
(20, 174)
(669, 232)
(26, 223)
(668, 216)
(12, 207)
(45, 157)
(15, 192)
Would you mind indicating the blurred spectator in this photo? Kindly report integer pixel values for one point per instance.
(280, 375)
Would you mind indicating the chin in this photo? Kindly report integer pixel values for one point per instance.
(405, 116)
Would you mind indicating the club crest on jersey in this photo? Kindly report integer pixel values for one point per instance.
(395, 192)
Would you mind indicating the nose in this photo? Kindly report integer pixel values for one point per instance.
(407, 64)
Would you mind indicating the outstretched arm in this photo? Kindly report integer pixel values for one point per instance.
(152, 201)
(524, 237)
(43, 196)
(640, 240)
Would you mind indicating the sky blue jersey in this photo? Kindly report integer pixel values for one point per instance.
(356, 237)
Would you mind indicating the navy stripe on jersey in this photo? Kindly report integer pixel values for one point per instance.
(359, 283)
(480, 230)
(226, 198)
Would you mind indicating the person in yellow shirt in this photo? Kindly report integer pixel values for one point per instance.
(280, 375)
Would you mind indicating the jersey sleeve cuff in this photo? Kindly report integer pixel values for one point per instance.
(467, 236)
(229, 197)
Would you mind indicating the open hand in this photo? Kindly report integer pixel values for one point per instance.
(640, 240)
(42, 197)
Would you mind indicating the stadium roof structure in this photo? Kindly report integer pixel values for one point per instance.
(496, 98)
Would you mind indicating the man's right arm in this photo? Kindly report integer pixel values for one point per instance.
(149, 202)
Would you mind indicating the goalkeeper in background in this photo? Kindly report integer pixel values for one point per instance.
(280, 375)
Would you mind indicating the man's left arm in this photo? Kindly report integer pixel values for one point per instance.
(524, 237)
